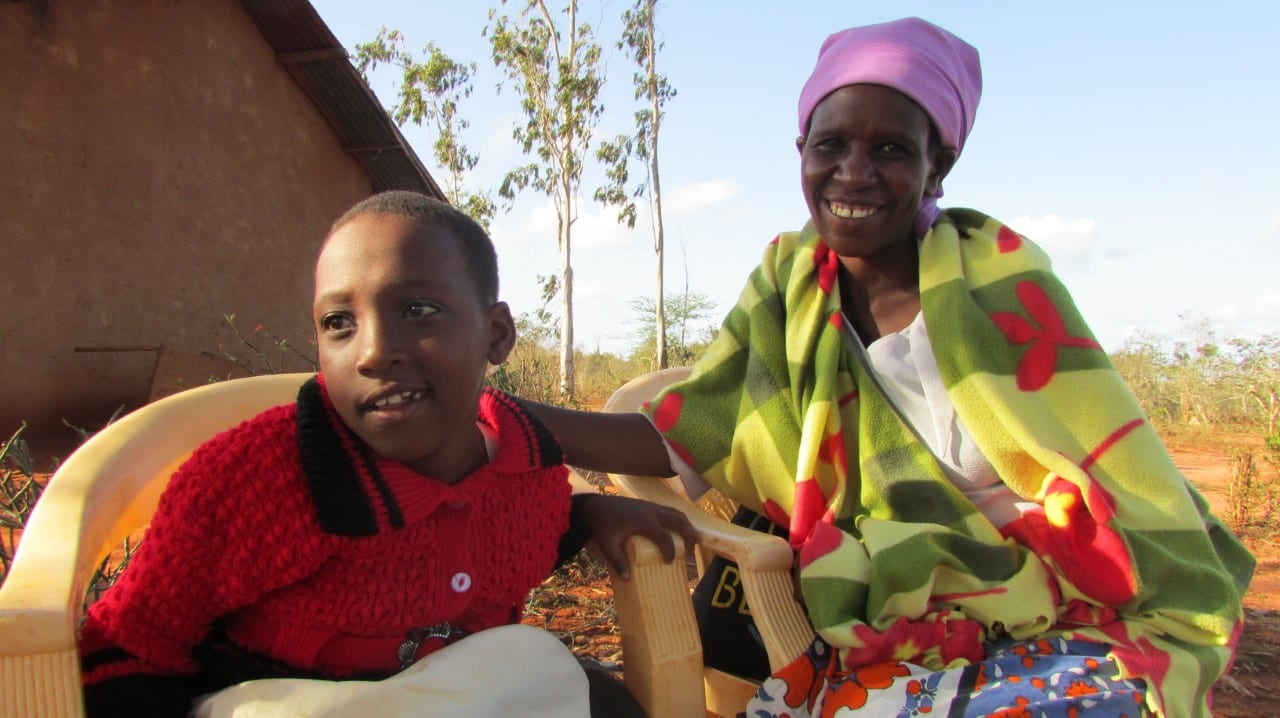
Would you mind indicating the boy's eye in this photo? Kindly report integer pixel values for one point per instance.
(420, 309)
(335, 322)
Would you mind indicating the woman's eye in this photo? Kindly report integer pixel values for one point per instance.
(333, 323)
(828, 145)
(420, 309)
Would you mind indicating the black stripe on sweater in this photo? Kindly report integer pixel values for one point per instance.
(342, 505)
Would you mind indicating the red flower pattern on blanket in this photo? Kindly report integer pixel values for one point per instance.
(1008, 240)
(1070, 529)
(828, 264)
(1037, 365)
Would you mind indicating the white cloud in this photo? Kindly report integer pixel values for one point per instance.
(1273, 226)
(497, 143)
(595, 228)
(1061, 237)
(697, 195)
(594, 289)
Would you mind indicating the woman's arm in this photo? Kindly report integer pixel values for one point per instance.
(599, 441)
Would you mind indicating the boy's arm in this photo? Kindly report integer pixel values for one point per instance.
(599, 441)
(611, 520)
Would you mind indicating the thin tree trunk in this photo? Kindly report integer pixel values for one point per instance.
(656, 188)
(567, 378)
(567, 374)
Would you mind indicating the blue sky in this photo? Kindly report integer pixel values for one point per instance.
(1136, 142)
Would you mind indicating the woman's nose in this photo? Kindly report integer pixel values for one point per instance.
(857, 166)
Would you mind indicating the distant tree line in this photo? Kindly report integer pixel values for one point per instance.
(1199, 380)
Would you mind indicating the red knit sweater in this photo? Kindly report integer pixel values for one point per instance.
(285, 538)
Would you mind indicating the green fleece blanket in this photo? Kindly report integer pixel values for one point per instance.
(896, 564)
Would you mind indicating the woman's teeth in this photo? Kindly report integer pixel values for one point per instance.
(847, 212)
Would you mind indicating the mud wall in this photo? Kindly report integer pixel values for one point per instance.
(158, 170)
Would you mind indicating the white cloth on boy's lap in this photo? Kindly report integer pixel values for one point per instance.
(512, 670)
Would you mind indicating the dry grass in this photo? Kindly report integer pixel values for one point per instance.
(576, 603)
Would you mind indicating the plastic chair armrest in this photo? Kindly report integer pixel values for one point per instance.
(660, 644)
(764, 561)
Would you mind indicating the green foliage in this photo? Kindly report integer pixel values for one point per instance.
(557, 78)
(639, 41)
(554, 68)
(613, 154)
(531, 373)
(1252, 497)
(602, 373)
(432, 90)
(684, 339)
(1199, 381)
(532, 370)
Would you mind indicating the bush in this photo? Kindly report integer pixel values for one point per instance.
(1251, 496)
(1202, 382)
(20, 489)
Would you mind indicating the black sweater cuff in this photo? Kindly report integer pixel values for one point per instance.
(572, 541)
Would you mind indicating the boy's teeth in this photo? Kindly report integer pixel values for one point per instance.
(847, 212)
(396, 398)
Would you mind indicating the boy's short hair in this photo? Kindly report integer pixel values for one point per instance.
(474, 243)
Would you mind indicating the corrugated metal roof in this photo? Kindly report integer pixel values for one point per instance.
(318, 63)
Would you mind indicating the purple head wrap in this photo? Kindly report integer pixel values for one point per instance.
(936, 69)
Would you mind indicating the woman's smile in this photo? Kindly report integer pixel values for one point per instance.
(850, 211)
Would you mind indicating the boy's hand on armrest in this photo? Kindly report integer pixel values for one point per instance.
(614, 519)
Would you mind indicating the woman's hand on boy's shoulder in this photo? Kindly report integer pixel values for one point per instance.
(614, 519)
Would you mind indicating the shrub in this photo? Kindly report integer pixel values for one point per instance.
(20, 489)
(1252, 497)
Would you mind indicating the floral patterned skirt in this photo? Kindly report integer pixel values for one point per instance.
(1052, 677)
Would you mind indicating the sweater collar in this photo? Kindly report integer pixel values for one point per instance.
(354, 488)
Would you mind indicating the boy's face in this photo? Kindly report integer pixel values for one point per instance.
(404, 341)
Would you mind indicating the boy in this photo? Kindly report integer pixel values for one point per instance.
(374, 522)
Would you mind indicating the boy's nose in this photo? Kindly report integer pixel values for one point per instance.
(379, 350)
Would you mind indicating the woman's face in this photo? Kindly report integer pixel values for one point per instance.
(865, 164)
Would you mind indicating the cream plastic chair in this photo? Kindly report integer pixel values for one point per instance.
(110, 486)
(104, 491)
(764, 561)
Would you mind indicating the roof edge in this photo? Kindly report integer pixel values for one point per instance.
(311, 54)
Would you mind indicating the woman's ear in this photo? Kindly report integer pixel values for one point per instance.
(940, 163)
(800, 144)
(502, 333)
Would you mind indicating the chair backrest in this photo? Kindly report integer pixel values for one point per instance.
(104, 492)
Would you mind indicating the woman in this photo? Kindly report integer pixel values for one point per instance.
(984, 519)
